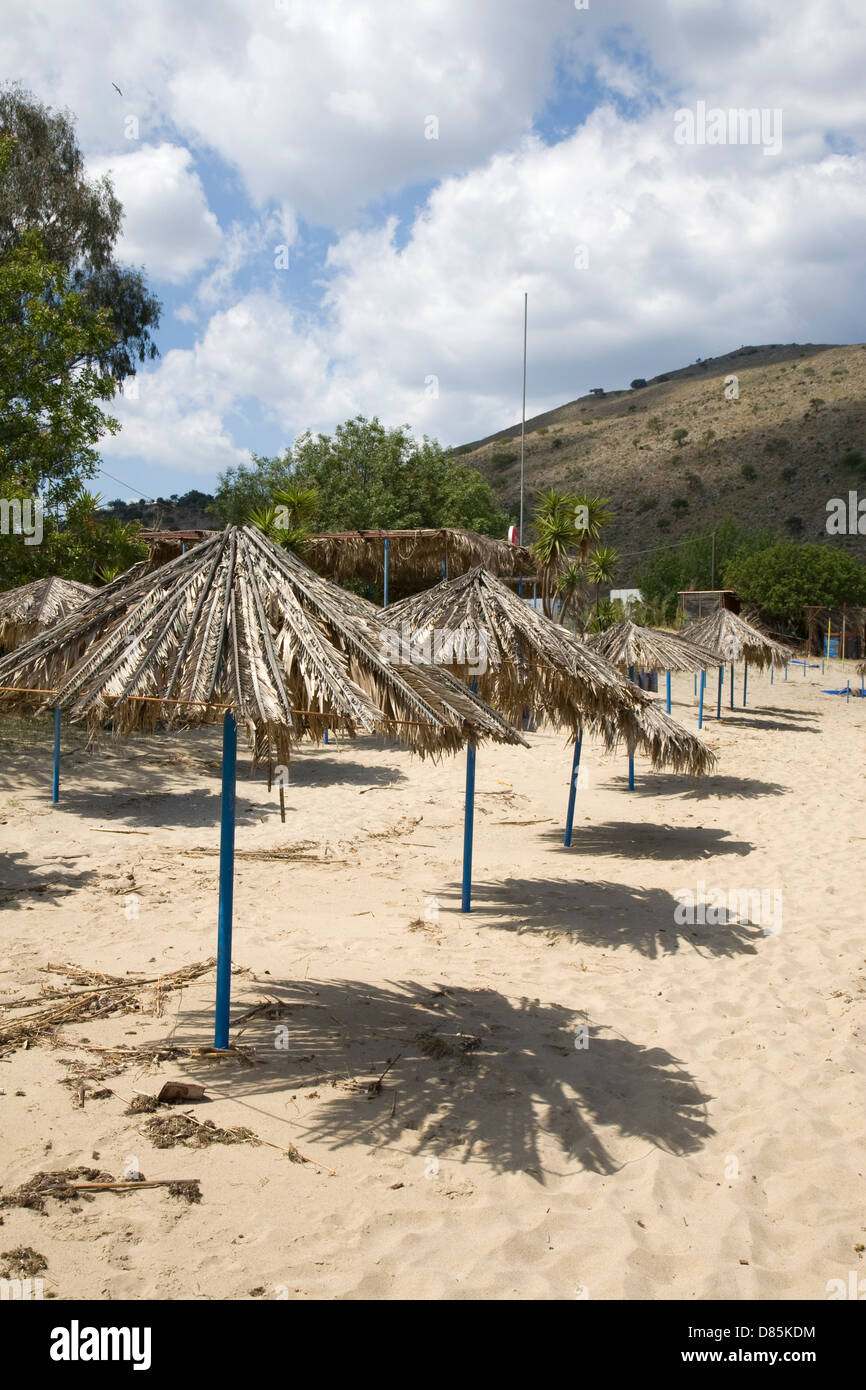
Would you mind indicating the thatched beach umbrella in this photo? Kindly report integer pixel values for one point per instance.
(242, 629)
(420, 556)
(34, 607)
(732, 639)
(630, 646)
(515, 657)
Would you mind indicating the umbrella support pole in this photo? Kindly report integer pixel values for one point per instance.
(572, 791)
(745, 681)
(55, 778)
(668, 691)
(468, 821)
(732, 685)
(468, 825)
(631, 755)
(719, 701)
(701, 700)
(385, 573)
(772, 673)
(227, 873)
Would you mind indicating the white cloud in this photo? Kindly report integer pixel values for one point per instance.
(684, 249)
(168, 226)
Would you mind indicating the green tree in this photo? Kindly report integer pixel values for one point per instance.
(557, 537)
(44, 188)
(82, 545)
(289, 521)
(366, 476)
(601, 568)
(50, 415)
(250, 487)
(571, 588)
(781, 579)
(668, 569)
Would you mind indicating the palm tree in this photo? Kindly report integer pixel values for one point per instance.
(601, 568)
(571, 588)
(556, 536)
(289, 520)
(592, 515)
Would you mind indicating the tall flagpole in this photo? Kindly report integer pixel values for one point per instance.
(523, 418)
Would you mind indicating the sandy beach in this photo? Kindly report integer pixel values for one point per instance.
(567, 1094)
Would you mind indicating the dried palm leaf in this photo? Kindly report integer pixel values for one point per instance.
(732, 639)
(35, 607)
(239, 622)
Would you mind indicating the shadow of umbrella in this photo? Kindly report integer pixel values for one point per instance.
(20, 880)
(608, 915)
(721, 786)
(467, 1074)
(635, 840)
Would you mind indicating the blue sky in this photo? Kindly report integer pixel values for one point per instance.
(249, 125)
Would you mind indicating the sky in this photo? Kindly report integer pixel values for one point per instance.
(341, 205)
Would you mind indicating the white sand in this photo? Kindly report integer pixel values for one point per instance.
(708, 1143)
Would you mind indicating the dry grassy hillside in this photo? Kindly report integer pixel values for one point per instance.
(794, 438)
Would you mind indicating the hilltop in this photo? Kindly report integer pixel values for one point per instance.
(772, 457)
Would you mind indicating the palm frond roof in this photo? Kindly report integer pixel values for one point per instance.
(239, 622)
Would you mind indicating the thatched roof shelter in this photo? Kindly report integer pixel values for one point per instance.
(414, 557)
(238, 622)
(730, 638)
(521, 658)
(34, 607)
(628, 645)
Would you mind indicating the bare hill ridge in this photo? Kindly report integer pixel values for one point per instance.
(770, 456)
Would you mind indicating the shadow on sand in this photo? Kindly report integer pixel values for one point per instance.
(603, 914)
(23, 883)
(465, 1074)
(637, 840)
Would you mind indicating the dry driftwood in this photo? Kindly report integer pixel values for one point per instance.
(92, 995)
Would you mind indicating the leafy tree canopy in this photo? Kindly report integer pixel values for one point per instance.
(366, 476)
(669, 569)
(783, 578)
(84, 546)
(44, 188)
(50, 415)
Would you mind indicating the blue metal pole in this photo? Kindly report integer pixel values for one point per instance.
(745, 681)
(55, 780)
(732, 685)
(520, 586)
(468, 823)
(701, 700)
(385, 604)
(227, 876)
(719, 701)
(572, 791)
(668, 691)
(631, 756)
(444, 568)
(772, 673)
